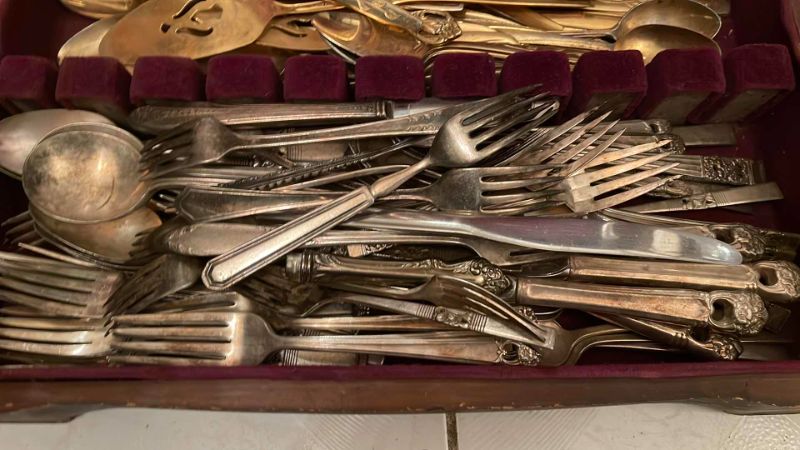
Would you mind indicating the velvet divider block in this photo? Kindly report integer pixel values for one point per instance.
(95, 83)
(242, 79)
(549, 69)
(615, 81)
(400, 78)
(758, 77)
(166, 79)
(27, 83)
(315, 78)
(678, 81)
(463, 75)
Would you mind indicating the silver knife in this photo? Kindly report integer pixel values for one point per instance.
(563, 235)
(727, 197)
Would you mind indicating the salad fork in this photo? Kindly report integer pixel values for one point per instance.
(64, 339)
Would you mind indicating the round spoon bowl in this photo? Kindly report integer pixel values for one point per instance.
(686, 14)
(650, 40)
(20, 133)
(110, 242)
(85, 173)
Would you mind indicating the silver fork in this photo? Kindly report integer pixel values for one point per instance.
(207, 139)
(53, 287)
(459, 143)
(452, 292)
(161, 277)
(65, 339)
(233, 338)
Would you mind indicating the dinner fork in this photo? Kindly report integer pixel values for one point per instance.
(460, 142)
(53, 287)
(233, 338)
(207, 139)
(161, 277)
(65, 339)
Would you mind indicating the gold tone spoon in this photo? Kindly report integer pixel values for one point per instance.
(364, 37)
(87, 41)
(292, 33)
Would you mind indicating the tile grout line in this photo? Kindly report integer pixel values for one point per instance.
(451, 429)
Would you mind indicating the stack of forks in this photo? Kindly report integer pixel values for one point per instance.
(451, 236)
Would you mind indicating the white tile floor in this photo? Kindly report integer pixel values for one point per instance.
(658, 426)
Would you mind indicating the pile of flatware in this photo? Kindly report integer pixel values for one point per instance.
(200, 29)
(457, 232)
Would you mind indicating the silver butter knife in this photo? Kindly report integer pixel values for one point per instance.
(563, 235)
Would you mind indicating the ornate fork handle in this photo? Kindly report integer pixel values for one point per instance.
(773, 280)
(466, 349)
(717, 346)
(741, 312)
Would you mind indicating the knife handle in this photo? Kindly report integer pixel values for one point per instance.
(728, 311)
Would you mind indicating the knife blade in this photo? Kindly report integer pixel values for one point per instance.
(563, 235)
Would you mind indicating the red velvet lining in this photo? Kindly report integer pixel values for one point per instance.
(681, 71)
(243, 78)
(608, 73)
(28, 80)
(93, 80)
(399, 78)
(166, 78)
(463, 75)
(315, 78)
(550, 69)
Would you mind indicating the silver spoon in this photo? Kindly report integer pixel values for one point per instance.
(89, 173)
(20, 133)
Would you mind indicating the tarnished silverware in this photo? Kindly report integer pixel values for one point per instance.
(62, 339)
(752, 242)
(163, 276)
(777, 281)
(718, 199)
(455, 145)
(223, 339)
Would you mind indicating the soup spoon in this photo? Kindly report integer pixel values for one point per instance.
(89, 173)
(20, 133)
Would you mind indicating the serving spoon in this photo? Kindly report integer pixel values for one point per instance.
(20, 133)
(87, 41)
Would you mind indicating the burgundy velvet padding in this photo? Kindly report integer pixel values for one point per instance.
(399, 78)
(678, 80)
(547, 68)
(37, 27)
(27, 83)
(309, 78)
(463, 75)
(159, 79)
(614, 80)
(243, 78)
(97, 83)
(758, 21)
(749, 69)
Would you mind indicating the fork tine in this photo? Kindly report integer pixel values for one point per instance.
(481, 108)
(193, 333)
(617, 155)
(12, 221)
(154, 158)
(44, 279)
(547, 152)
(178, 319)
(48, 336)
(45, 292)
(506, 199)
(589, 156)
(164, 360)
(204, 350)
(59, 257)
(489, 186)
(163, 169)
(629, 179)
(540, 115)
(42, 304)
(607, 172)
(570, 153)
(500, 111)
(622, 197)
(40, 348)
